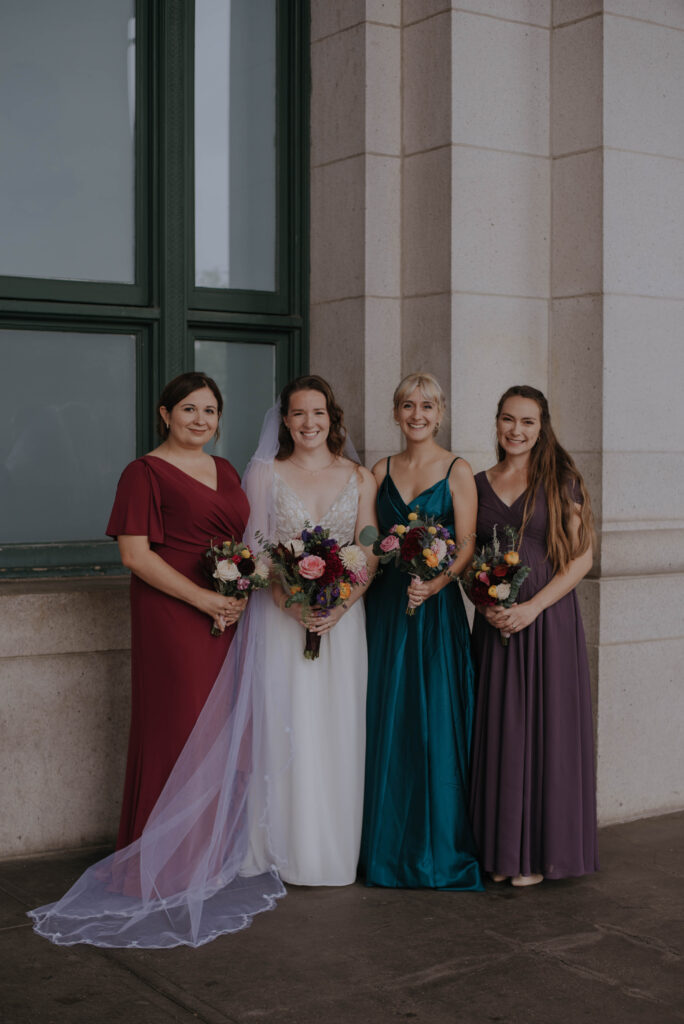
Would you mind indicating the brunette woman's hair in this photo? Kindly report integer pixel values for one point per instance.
(554, 469)
(178, 389)
(337, 434)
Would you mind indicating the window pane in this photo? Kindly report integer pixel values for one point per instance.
(235, 144)
(67, 429)
(246, 375)
(67, 103)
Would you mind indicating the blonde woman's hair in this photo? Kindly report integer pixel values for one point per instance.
(428, 384)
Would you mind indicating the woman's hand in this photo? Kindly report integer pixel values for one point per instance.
(225, 611)
(516, 618)
(322, 622)
(420, 590)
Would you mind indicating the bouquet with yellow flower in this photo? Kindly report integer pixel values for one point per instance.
(316, 571)
(234, 570)
(424, 548)
(495, 575)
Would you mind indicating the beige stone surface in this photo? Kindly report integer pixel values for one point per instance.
(338, 195)
(643, 342)
(573, 10)
(641, 708)
(382, 370)
(501, 223)
(644, 240)
(338, 96)
(496, 342)
(577, 87)
(576, 372)
(92, 619)
(531, 12)
(664, 12)
(337, 353)
(644, 84)
(507, 108)
(426, 330)
(419, 10)
(626, 551)
(62, 756)
(383, 226)
(577, 199)
(656, 615)
(383, 90)
(426, 79)
(643, 486)
(328, 18)
(426, 223)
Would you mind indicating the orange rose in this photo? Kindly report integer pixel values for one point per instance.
(512, 558)
(345, 591)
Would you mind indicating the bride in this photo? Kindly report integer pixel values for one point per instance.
(306, 803)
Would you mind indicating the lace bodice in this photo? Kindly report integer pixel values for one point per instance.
(291, 514)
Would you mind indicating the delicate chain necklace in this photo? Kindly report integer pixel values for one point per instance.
(312, 472)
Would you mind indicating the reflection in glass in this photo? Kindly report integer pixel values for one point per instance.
(67, 105)
(246, 375)
(67, 429)
(235, 144)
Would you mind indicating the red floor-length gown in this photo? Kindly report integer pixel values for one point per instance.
(174, 658)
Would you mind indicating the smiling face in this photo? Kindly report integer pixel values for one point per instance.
(417, 416)
(194, 420)
(518, 425)
(307, 419)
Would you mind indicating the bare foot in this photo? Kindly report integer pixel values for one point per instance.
(520, 881)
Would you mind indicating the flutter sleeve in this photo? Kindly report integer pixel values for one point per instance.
(137, 505)
(574, 491)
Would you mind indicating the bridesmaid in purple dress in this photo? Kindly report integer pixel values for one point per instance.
(532, 797)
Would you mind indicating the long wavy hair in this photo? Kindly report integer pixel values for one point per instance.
(178, 389)
(337, 434)
(554, 469)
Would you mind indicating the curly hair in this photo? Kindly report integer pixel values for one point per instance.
(337, 434)
(554, 469)
(178, 389)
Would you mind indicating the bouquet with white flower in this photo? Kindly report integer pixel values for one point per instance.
(495, 575)
(234, 570)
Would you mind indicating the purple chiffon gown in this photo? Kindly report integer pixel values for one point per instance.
(532, 795)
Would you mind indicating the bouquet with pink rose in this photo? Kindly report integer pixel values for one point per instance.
(316, 571)
(423, 548)
(234, 570)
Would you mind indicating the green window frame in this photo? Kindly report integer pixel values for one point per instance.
(163, 309)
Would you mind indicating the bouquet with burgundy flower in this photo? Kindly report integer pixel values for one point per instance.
(316, 571)
(496, 574)
(234, 570)
(424, 549)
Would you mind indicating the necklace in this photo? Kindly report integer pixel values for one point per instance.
(312, 472)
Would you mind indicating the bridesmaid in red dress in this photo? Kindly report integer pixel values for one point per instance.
(169, 506)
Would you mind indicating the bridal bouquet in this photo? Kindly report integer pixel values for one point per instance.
(495, 576)
(424, 549)
(234, 570)
(316, 571)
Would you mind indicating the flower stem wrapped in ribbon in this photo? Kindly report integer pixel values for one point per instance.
(316, 571)
(495, 575)
(423, 548)
(234, 571)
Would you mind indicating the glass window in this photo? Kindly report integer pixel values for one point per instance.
(246, 375)
(67, 429)
(67, 120)
(235, 144)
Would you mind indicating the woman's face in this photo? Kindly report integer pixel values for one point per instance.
(194, 420)
(518, 425)
(308, 420)
(417, 416)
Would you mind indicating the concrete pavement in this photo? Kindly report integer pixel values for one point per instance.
(606, 948)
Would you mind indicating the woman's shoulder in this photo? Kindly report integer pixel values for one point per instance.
(227, 468)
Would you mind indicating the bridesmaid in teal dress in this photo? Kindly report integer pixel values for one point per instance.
(416, 830)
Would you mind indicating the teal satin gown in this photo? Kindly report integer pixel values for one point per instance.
(420, 710)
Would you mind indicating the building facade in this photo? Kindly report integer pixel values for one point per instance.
(495, 192)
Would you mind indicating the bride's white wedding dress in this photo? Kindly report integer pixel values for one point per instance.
(310, 791)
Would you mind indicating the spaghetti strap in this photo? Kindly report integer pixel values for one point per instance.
(448, 470)
(387, 472)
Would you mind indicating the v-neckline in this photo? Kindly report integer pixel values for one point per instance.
(303, 506)
(425, 490)
(498, 496)
(189, 476)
